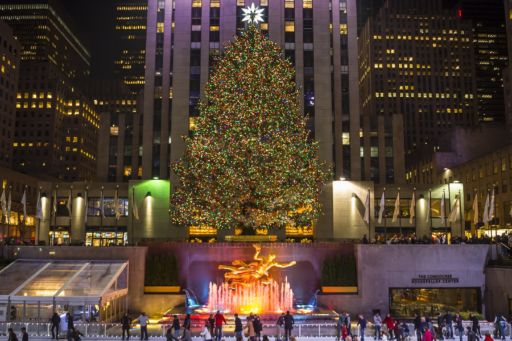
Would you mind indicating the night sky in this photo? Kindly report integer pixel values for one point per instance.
(94, 21)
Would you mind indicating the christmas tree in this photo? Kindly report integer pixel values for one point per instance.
(249, 163)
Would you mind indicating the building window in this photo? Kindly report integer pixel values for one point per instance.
(94, 207)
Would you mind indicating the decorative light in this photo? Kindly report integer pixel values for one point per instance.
(252, 14)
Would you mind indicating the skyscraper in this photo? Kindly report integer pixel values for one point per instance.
(184, 37)
(507, 72)
(9, 73)
(490, 47)
(46, 35)
(416, 61)
(56, 125)
(130, 27)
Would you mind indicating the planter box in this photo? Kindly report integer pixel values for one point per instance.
(162, 289)
(339, 290)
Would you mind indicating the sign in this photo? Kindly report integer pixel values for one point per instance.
(435, 279)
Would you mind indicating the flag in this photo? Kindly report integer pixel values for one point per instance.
(429, 211)
(412, 208)
(367, 208)
(39, 208)
(396, 212)
(491, 207)
(135, 209)
(24, 203)
(442, 210)
(54, 208)
(486, 210)
(86, 206)
(475, 209)
(69, 204)
(3, 203)
(117, 209)
(102, 204)
(9, 202)
(454, 214)
(382, 206)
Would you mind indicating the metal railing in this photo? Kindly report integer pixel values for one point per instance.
(300, 330)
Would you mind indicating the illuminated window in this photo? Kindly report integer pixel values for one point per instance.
(289, 26)
(345, 139)
(307, 3)
(114, 130)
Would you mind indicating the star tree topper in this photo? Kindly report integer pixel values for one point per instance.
(252, 14)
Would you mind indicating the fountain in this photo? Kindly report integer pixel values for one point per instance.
(249, 288)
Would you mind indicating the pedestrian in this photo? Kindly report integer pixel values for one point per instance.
(348, 323)
(398, 331)
(250, 328)
(488, 337)
(11, 336)
(459, 326)
(125, 325)
(205, 333)
(238, 328)
(186, 322)
(361, 322)
(472, 335)
(475, 325)
(280, 326)
(143, 321)
(219, 320)
(55, 320)
(211, 324)
(448, 320)
(500, 324)
(427, 335)
(258, 327)
(75, 334)
(69, 321)
(175, 327)
(288, 325)
(24, 334)
(390, 325)
(187, 336)
(377, 321)
(440, 326)
(417, 327)
(169, 335)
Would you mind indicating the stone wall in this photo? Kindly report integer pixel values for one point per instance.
(498, 295)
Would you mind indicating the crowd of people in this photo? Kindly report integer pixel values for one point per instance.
(401, 238)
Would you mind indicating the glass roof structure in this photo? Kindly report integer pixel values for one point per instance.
(63, 281)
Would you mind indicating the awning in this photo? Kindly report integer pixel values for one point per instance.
(73, 282)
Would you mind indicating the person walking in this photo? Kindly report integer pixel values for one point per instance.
(125, 325)
(75, 334)
(390, 325)
(205, 333)
(288, 325)
(250, 328)
(377, 322)
(475, 325)
(219, 320)
(187, 336)
(175, 327)
(348, 324)
(361, 322)
(55, 321)
(488, 337)
(24, 334)
(417, 327)
(211, 324)
(11, 335)
(279, 327)
(258, 327)
(440, 326)
(500, 324)
(472, 335)
(169, 335)
(186, 322)
(427, 335)
(239, 328)
(143, 321)
(459, 326)
(448, 320)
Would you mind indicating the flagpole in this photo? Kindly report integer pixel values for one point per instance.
(399, 214)
(9, 215)
(385, 218)
(54, 212)
(131, 225)
(460, 214)
(102, 199)
(430, 210)
(369, 217)
(495, 207)
(415, 210)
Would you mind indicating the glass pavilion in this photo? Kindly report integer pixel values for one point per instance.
(31, 290)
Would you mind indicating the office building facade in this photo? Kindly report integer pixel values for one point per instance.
(9, 73)
(130, 28)
(416, 65)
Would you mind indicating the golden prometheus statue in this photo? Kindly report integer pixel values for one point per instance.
(242, 273)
